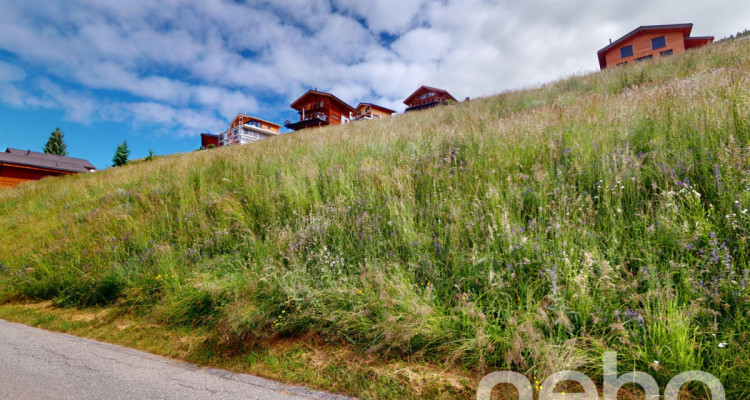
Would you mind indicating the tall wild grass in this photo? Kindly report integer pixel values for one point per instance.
(533, 230)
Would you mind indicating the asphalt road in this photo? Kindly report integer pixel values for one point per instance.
(38, 364)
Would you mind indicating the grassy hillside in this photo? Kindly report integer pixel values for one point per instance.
(532, 230)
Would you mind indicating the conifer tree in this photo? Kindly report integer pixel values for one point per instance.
(121, 155)
(56, 144)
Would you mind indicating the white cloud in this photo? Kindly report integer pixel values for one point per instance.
(388, 16)
(423, 45)
(190, 63)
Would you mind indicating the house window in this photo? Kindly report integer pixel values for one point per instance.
(626, 51)
(658, 43)
(648, 57)
(666, 53)
(254, 123)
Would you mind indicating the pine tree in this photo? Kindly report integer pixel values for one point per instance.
(121, 155)
(55, 144)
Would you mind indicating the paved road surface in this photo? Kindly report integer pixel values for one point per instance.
(38, 364)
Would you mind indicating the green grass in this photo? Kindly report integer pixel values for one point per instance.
(531, 231)
(319, 365)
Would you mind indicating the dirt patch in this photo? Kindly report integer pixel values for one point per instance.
(85, 317)
(122, 324)
(42, 305)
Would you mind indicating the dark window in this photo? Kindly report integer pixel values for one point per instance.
(648, 57)
(666, 53)
(626, 51)
(658, 43)
(254, 123)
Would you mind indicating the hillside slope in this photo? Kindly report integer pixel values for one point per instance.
(532, 230)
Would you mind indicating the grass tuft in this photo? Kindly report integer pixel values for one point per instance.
(531, 231)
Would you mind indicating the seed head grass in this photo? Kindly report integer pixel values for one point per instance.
(532, 230)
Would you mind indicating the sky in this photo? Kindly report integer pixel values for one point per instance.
(157, 73)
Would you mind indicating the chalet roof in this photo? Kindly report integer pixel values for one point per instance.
(47, 161)
(317, 93)
(429, 89)
(255, 118)
(210, 135)
(388, 110)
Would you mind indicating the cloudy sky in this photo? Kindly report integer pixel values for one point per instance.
(157, 73)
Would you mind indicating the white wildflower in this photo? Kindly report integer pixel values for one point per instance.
(723, 345)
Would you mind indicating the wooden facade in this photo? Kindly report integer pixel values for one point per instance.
(649, 42)
(427, 97)
(242, 119)
(18, 166)
(367, 111)
(208, 140)
(13, 175)
(318, 109)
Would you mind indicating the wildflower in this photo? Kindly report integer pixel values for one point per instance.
(723, 345)
(656, 363)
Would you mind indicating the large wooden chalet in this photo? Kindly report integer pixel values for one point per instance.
(318, 109)
(18, 166)
(427, 97)
(648, 42)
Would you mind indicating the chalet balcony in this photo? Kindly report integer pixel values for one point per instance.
(309, 120)
(258, 128)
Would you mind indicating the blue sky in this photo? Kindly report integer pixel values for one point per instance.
(157, 73)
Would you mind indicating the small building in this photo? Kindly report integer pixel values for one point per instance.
(318, 109)
(427, 97)
(366, 111)
(209, 140)
(648, 42)
(18, 166)
(245, 129)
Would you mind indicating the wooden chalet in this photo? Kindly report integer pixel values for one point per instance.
(366, 111)
(18, 166)
(649, 42)
(246, 128)
(318, 109)
(427, 97)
